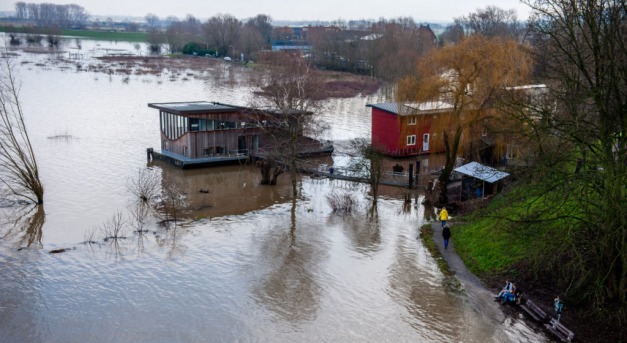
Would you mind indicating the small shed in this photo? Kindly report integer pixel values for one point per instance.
(479, 180)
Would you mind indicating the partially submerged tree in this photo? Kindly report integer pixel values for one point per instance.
(467, 78)
(368, 163)
(291, 91)
(146, 185)
(270, 171)
(19, 172)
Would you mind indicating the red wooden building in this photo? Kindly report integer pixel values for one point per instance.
(403, 130)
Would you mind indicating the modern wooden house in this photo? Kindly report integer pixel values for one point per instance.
(201, 133)
(404, 130)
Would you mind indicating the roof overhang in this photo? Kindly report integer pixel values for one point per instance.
(481, 172)
(414, 108)
(195, 107)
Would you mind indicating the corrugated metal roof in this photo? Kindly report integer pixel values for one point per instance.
(193, 107)
(413, 108)
(481, 172)
(391, 107)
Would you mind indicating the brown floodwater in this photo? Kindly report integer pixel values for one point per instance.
(241, 262)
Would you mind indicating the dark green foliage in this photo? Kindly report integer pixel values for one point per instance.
(198, 49)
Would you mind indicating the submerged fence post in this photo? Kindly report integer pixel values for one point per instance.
(149, 154)
(411, 175)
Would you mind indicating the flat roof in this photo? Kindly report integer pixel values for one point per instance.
(194, 107)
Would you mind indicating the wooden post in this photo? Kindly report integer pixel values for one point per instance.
(149, 154)
(411, 175)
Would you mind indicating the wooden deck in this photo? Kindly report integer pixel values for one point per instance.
(185, 162)
(209, 161)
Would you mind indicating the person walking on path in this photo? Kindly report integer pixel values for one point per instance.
(443, 216)
(446, 235)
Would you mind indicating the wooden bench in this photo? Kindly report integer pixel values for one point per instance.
(560, 330)
(534, 311)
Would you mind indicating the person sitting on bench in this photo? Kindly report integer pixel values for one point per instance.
(511, 296)
(508, 288)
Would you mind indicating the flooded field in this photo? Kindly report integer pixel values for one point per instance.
(242, 263)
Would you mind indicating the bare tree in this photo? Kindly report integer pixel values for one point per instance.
(291, 91)
(145, 185)
(223, 32)
(251, 41)
(452, 34)
(341, 202)
(138, 220)
(392, 47)
(21, 10)
(19, 172)
(152, 20)
(114, 228)
(491, 22)
(173, 202)
(368, 163)
(263, 25)
(180, 33)
(52, 15)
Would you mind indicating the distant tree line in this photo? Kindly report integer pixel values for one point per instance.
(385, 49)
(52, 15)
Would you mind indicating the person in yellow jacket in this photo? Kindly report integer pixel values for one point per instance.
(443, 216)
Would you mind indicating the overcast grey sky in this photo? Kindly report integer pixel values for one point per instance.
(420, 10)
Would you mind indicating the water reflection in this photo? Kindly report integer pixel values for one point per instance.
(415, 288)
(21, 298)
(220, 191)
(363, 231)
(288, 285)
(23, 225)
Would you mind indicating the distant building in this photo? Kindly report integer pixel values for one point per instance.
(427, 38)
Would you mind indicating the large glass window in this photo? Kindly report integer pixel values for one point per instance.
(174, 126)
(194, 124)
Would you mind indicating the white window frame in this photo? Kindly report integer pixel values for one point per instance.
(411, 120)
(411, 140)
(425, 141)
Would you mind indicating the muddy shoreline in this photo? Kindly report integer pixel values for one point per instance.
(182, 67)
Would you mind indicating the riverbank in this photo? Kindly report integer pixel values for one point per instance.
(504, 241)
(479, 294)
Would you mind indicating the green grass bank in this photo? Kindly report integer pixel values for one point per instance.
(139, 37)
(529, 235)
(516, 229)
